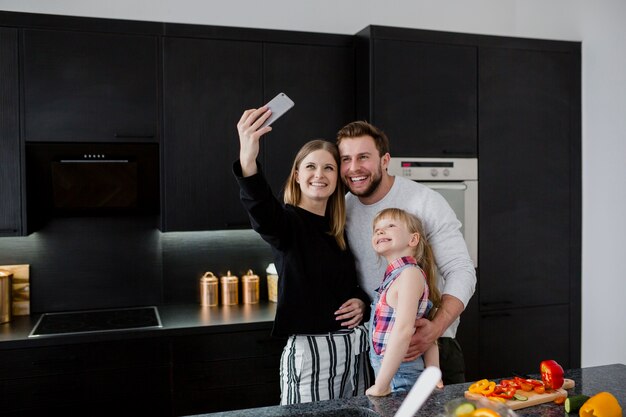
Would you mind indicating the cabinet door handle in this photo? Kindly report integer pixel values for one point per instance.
(129, 136)
(456, 152)
(497, 303)
(60, 361)
(232, 225)
(487, 316)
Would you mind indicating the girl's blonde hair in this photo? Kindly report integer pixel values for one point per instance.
(336, 206)
(422, 253)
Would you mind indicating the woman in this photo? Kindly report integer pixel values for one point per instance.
(322, 356)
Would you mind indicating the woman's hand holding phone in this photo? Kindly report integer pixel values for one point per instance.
(279, 105)
(253, 124)
(250, 132)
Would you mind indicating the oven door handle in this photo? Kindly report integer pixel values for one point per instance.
(447, 186)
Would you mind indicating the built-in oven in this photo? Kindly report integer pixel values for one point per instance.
(91, 179)
(456, 179)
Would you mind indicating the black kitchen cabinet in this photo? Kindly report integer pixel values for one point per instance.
(514, 102)
(320, 80)
(95, 379)
(88, 86)
(420, 88)
(529, 203)
(207, 84)
(525, 203)
(515, 341)
(10, 155)
(226, 371)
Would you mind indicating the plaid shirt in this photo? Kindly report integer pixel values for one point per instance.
(385, 315)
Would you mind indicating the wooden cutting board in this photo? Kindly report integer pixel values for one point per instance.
(533, 397)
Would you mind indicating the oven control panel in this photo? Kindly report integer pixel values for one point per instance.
(434, 169)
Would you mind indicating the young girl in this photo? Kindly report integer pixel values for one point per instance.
(408, 291)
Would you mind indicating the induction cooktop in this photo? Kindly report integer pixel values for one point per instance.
(96, 321)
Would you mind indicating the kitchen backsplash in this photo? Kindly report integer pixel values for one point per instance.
(188, 255)
(85, 263)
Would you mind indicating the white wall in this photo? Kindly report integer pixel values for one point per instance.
(599, 24)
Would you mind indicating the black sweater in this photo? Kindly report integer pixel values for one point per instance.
(315, 275)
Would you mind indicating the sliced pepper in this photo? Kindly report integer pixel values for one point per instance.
(551, 374)
(603, 404)
(534, 382)
(510, 383)
(483, 387)
(523, 384)
(503, 392)
(497, 399)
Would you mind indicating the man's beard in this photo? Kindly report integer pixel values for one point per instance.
(376, 180)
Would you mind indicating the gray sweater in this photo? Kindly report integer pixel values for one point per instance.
(457, 275)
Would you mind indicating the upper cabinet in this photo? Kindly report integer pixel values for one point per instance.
(10, 163)
(207, 84)
(320, 80)
(89, 86)
(420, 87)
(210, 80)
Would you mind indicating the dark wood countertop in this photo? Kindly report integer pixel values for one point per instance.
(175, 319)
(589, 381)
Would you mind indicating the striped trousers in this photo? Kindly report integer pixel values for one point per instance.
(324, 366)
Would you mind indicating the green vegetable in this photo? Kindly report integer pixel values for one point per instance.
(519, 397)
(464, 409)
(573, 404)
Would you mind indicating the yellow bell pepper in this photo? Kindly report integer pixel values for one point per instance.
(603, 404)
(484, 387)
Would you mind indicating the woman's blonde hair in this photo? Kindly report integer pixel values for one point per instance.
(422, 253)
(336, 206)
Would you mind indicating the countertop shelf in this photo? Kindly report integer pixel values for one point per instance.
(176, 320)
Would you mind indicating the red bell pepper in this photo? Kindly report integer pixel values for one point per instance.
(551, 374)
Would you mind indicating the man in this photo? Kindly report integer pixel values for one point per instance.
(364, 152)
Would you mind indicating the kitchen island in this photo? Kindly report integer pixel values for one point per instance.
(589, 381)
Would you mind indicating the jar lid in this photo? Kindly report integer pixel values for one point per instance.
(208, 276)
(250, 276)
(228, 278)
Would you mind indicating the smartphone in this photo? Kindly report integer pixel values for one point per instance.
(279, 105)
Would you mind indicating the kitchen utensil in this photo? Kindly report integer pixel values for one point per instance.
(230, 289)
(422, 389)
(250, 288)
(6, 288)
(533, 397)
(208, 290)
